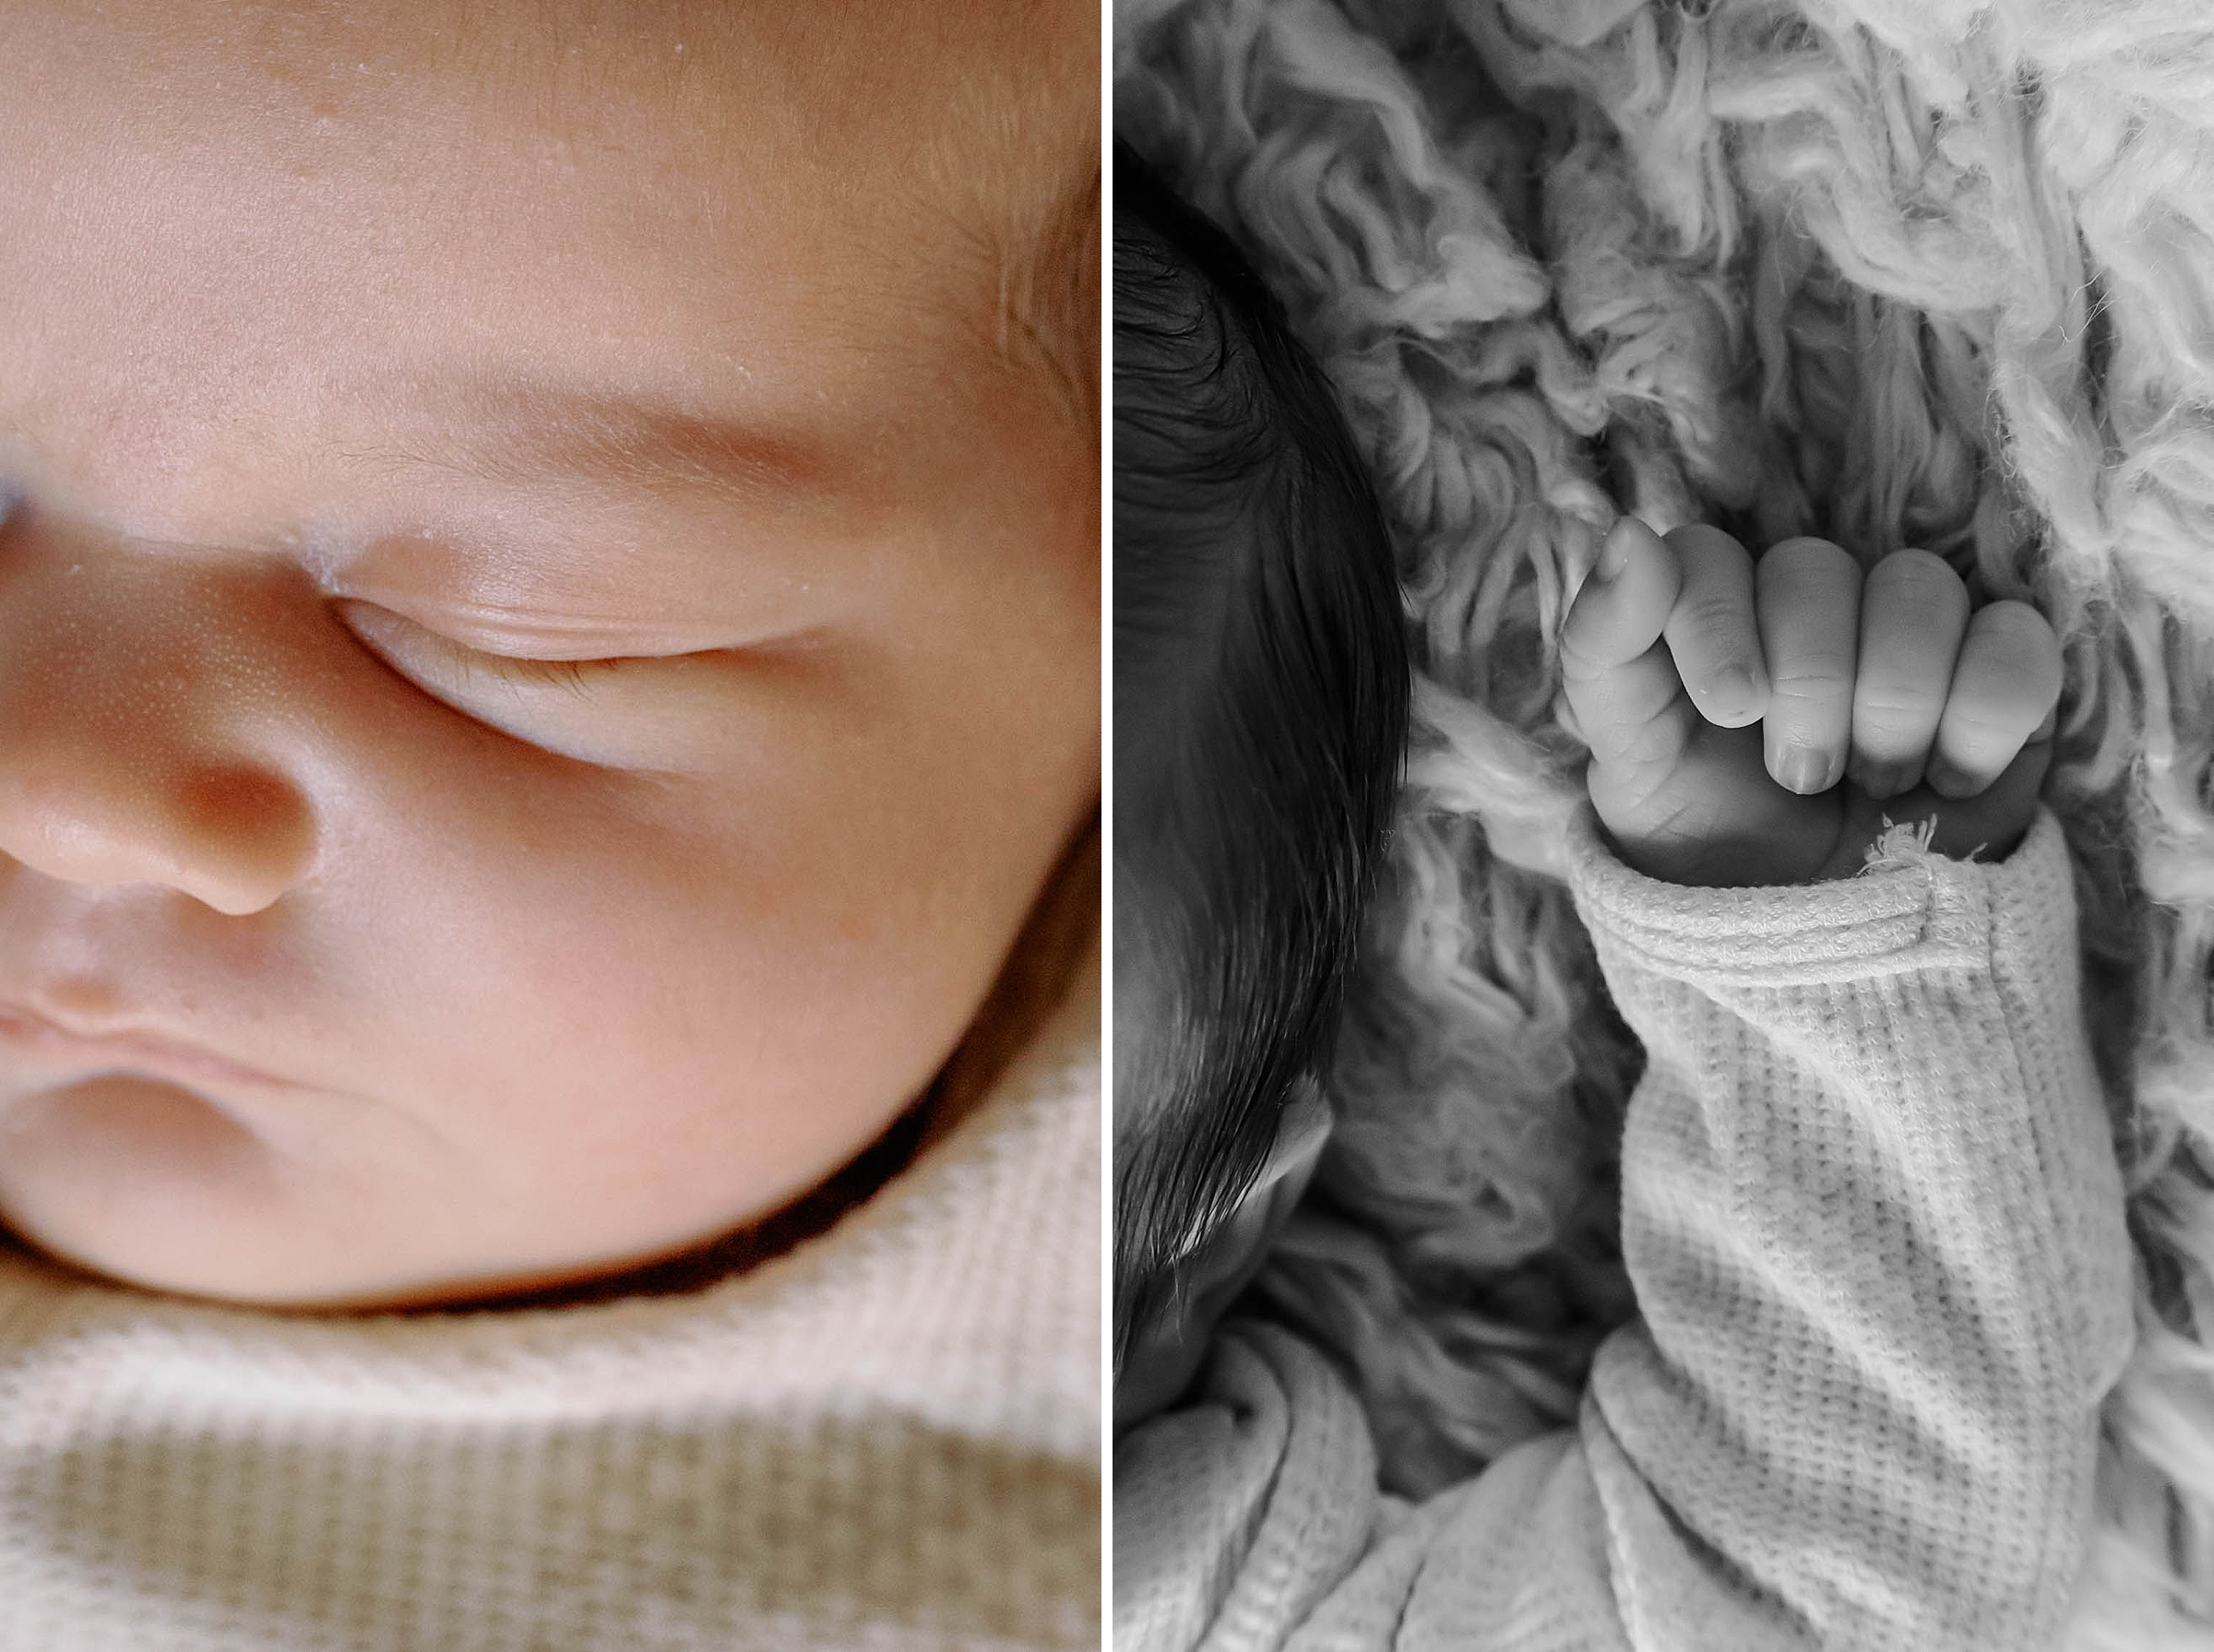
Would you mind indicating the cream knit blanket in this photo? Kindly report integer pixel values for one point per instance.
(1875, 1221)
(888, 1438)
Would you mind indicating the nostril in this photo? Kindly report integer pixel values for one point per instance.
(250, 832)
(229, 800)
(233, 836)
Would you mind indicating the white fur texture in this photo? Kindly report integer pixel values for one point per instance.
(1896, 272)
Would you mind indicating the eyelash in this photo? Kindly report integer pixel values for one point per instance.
(579, 677)
(575, 675)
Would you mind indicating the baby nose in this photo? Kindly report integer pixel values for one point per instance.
(130, 706)
(233, 839)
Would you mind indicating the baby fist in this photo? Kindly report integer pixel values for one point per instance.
(1724, 702)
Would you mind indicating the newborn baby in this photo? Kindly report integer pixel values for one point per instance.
(547, 614)
(1870, 1202)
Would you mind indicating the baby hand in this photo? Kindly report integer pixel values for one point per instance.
(1723, 702)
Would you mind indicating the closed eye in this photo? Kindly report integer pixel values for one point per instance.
(640, 712)
(452, 671)
(577, 676)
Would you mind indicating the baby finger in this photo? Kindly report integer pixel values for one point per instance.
(1913, 612)
(1711, 632)
(1808, 593)
(1617, 677)
(2005, 685)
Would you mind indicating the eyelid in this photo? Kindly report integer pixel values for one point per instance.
(418, 652)
(548, 625)
(360, 612)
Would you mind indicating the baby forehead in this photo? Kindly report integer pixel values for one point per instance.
(802, 206)
(962, 105)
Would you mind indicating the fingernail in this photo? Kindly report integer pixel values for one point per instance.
(1730, 693)
(1949, 781)
(1805, 772)
(1879, 780)
(1613, 551)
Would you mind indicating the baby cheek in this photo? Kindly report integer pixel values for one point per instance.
(693, 997)
(697, 1023)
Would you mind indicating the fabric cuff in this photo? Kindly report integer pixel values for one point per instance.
(1913, 910)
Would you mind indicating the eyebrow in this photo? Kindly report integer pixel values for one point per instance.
(532, 438)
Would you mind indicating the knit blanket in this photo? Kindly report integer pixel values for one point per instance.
(1894, 272)
(885, 1439)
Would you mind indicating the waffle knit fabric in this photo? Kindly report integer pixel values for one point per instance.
(888, 1438)
(1873, 1219)
(1933, 273)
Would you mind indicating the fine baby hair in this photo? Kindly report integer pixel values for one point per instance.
(1260, 712)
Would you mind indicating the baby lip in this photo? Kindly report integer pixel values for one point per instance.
(122, 1047)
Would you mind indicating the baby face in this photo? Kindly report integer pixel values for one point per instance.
(547, 614)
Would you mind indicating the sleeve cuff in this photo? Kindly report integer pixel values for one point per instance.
(1924, 910)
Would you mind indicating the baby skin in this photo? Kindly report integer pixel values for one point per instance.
(547, 614)
(1868, 1199)
(1723, 701)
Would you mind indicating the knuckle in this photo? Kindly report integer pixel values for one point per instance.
(1660, 740)
(1916, 569)
(1804, 547)
(2012, 640)
(1649, 742)
(1716, 619)
(1893, 703)
(1576, 666)
(1806, 588)
(1981, 723)
(1920, 585)
(1813, 675)
(1970, 720)
(1817, 560)
(2009, 620)
(1699, 542)
(1581, 661)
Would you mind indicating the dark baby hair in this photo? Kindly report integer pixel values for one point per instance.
(1260, 692)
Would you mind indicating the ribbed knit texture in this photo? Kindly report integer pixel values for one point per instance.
(1871, 1208)
(888, 1438)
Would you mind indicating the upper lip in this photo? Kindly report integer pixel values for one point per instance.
(123, 1046)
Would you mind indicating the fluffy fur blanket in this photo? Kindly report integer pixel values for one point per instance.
(1927, 272)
